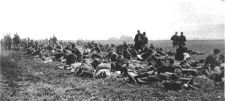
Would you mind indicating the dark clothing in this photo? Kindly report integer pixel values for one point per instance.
(164, 69)
(152, 47)
(112, 56)
(125, 46)
(95, 63)
(147, 54)
(169, 85)
(138, 41)
(59, 55)
(175, 40)
(71, 58)
(96, 56)
(77, 53)
(85, 70)
(127, 54)
(212, 60)
(120, 61)
(188, 72)
(179, 53)
(138, 37)
(182, 40)
(49, 47)
(145, 40)
(124, 70)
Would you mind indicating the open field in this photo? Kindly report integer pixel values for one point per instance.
(199, 45)
(24, 78)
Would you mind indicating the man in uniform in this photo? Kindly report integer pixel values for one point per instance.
(182, 39)
(145, 39)
(175, 40)
(138, 41)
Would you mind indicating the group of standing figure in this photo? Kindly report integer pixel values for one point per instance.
(178, 40)
(179, 45)
(140, 40)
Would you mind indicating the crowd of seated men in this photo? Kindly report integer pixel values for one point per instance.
(147, 66)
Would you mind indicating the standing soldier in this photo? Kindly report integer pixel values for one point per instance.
(138, 41)
(145, 39)
(175, 40)
(182, 39)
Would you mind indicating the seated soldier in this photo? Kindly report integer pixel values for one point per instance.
(58, 55)
(95, 62)
(179, 52)
(170, 53)
(112, 56)
(218, 73)
(152, 47)
(168, 67)
(125, 46)
(96, 48)
(120, 61)
(209, 70)
(96, 55)
(145, 49)
(171, 68)
(104, 65)
(86, 53)
(147, 76)
(156, 63)
(146, 54)
(161, 52)
(185, 63)
(212, 60)
(103, 69)
(126, 53)
(185, 72)
(86, 69)
(78, 54)
(133, 52)
(70, 58)
(127, 67)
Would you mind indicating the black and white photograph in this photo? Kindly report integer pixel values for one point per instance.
(112, 50)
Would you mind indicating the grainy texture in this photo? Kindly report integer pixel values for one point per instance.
(24, 78)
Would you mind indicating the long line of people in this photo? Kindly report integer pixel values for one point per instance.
(142, 67)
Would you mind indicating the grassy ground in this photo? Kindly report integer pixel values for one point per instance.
(24, 78)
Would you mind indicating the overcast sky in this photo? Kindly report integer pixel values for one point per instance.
(101, 19)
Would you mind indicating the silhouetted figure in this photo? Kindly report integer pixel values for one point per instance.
(175, 39)
(138, 41)
(182, 39)
(145, 39)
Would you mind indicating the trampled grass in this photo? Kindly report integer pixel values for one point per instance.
(24, 78)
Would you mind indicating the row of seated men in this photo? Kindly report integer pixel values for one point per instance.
(150, 65)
